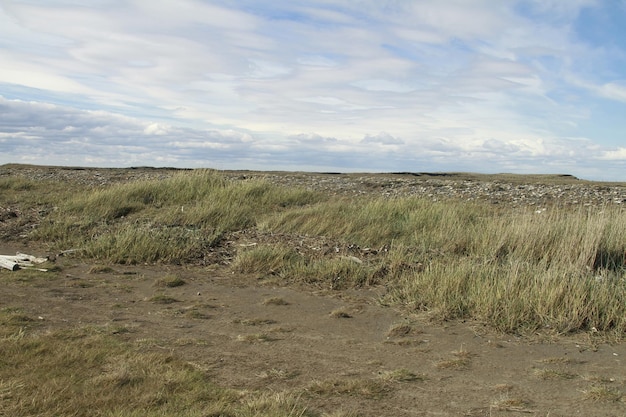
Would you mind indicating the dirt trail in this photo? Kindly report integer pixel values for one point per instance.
(340, 350)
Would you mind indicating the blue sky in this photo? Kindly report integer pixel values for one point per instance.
(534, 86)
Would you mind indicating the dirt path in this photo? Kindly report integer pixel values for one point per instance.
(339, 350)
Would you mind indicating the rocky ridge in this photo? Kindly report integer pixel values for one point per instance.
(515, 190)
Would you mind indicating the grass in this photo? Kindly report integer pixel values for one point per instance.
(169, 281)
(256, 337)
(562, 270)
(602, 392)
(275, 301)
(554, 374)
(163, 299)
(88, 368)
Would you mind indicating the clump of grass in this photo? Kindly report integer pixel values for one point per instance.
(461, 360)
(100, 269)
(170, 281)
(163, 299)
(603, 393)
(340, 313)
(275, 301)
(551, 374)
(401, 330)
(515, 404)
(255, 337)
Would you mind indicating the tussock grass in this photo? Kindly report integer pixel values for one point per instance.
(603, 392)
(281, 260)
(171, 221)
(170, 281)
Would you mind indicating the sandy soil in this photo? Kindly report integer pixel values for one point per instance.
(342, 350)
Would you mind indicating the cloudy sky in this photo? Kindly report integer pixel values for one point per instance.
(524, 86)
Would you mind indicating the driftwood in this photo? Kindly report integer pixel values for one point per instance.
(20, 260)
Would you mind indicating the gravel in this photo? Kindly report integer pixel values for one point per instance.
(535, 190)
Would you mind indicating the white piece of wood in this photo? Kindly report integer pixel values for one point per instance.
(8, 264)
(13, 263)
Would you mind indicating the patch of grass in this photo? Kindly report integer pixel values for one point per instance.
(399, 330)
(170, 281)
(256, 337)
(461, 360)
(551, 374)
(100, 269)
(341, 313)
(604, 393)
(509, 267)
(275, 301)
(14, 321)
(163, 299)
(513, 404)
(70, 371)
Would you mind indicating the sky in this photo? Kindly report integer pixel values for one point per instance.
(516, 86)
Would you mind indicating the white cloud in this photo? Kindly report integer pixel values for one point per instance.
(618, 154)
(240, 82)
(383, 138)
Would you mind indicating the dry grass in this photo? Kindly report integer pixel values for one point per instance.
(512, 404)
(70, 371)
(256, 337)
(603, 392)
(552, 374)
(163, 299)
(169, 281)
(519, 271)
(461, 360)
(341, 313)
(275, 301)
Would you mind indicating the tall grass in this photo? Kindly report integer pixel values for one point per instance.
(562, 269)
(169, 221)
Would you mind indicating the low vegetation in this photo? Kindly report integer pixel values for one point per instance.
(67, 372)
(517, 269)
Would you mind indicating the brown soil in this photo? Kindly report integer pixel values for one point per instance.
(342, 350)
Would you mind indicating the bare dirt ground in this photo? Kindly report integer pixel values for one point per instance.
(340, 350)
